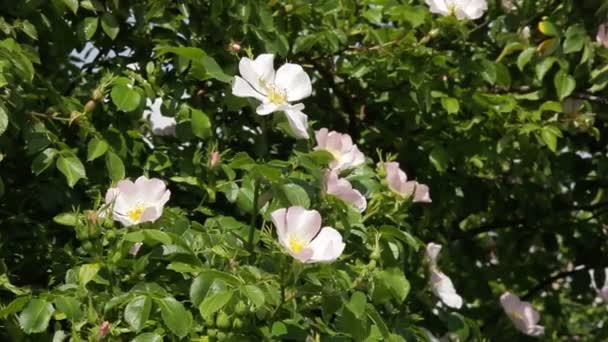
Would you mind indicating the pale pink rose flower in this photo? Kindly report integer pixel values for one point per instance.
(276, 90)
(136, 202)
(342, 189)
(346, 154)
(522, 314)
(432, 253)
(602, 35)
(441, 284)
(398, 183)
(300, 233)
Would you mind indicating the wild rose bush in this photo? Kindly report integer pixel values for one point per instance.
(303, 170)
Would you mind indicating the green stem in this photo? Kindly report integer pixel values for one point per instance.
(256, 190)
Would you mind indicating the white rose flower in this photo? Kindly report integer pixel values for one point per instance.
(522, 314)
(275, 90)
(462, 9)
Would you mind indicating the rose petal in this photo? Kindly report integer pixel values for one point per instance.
(259, 72)
(294, 80)
(327, 245)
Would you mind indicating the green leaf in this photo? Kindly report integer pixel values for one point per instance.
(214, 302)
(175, 316)
(254, 294)
(543, 66)
(149, 236)
(3, 119)
(201, 126)
(548, 28)
(191, 53)
(137, 312)
(115, 166)
(305, 43)
(357, 303)
(415, 15)
(70, 306)
(72, 5)
(72, 169)
(66, 219)
(575, 39)
(549, 137)
(457, 325)
(439, 159)
(36, 316)
(86, 273)
(148, 337)
(394, 281)
(450, 104)
(96, 148)
(88, 27)
(29, 29)
(44, 160)
(564, 84)
(109, 25)
(125, 97)
(392, 231)
(295, 195)
(524, 58)
(14, 306)
(214, 70)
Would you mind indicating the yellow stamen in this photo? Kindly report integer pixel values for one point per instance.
(452, 9)
(135, 213)
(276, 96)
(295, 245)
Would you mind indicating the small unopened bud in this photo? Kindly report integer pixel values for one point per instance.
(104, 329)
(288, 8)
(90, 106)
(74, 116)
(214, 159)
(135, 248)
(92, 216)
(235, 47)
(97, 95)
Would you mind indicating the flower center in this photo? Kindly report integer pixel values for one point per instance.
(135, 213)
(276, 95)
(296, 245)
(451, 9)
(518, 317)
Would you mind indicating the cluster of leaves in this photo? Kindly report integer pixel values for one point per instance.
(502, 118)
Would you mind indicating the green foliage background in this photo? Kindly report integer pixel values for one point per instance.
(473, 109)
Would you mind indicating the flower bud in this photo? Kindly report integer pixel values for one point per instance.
(97, 95)
(91, 216)
(235, 47)
(104, 329)
(223, 320)
(74, 116)
(90, 106)
(237, 323)
(214, 159)
(241, 308)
